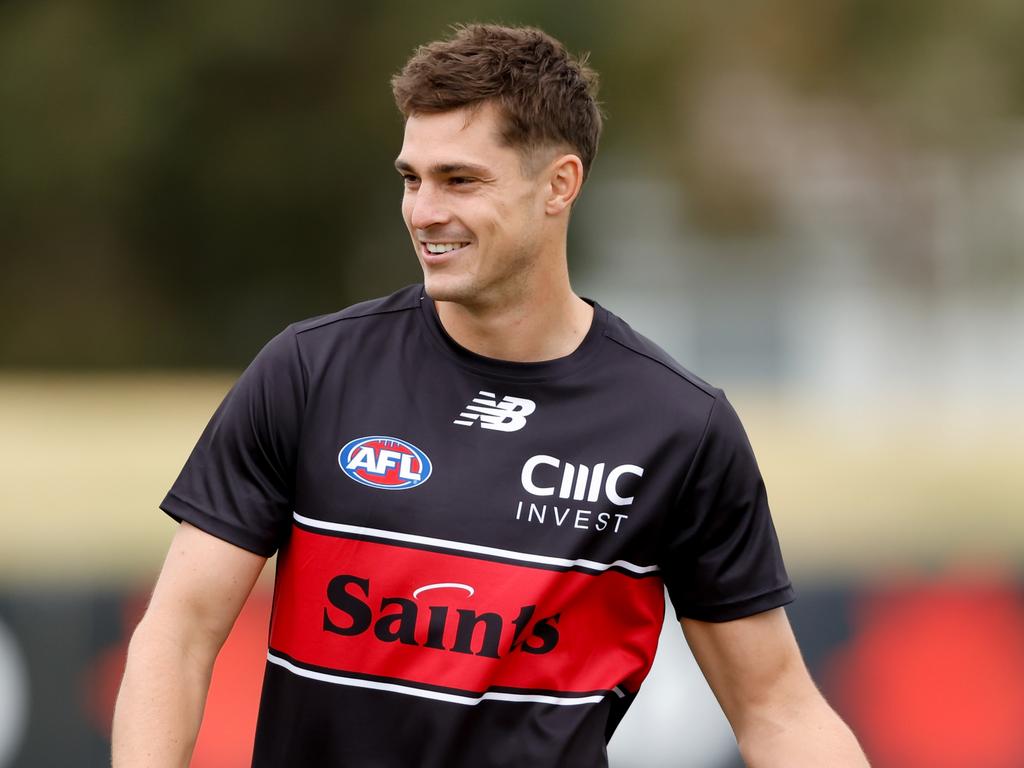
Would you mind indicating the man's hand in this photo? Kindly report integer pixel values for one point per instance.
(755, 670)
(201, 590)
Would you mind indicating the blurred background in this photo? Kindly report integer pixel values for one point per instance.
(815, 204)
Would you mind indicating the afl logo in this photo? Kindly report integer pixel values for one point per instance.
(384, 462)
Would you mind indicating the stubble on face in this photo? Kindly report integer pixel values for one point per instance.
(500, 278)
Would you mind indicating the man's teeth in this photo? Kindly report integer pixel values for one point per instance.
(443, 247)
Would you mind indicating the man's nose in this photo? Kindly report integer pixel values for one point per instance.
(428, 208)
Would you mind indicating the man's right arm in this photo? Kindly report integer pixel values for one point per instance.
(201, 590)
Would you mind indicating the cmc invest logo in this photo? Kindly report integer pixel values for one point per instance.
(384, 462)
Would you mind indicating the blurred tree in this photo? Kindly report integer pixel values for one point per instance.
(178, 181)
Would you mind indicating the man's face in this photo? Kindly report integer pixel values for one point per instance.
(477, 222)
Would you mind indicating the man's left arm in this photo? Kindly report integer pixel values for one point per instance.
(756, 672)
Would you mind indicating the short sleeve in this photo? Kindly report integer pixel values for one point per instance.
(238, 483)
(721, 558)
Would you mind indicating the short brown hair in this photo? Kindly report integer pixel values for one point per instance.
(547, 97)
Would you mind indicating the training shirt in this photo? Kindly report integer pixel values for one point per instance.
(472, 553)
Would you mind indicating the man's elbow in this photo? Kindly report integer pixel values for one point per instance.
(799, 732)
(159, 639)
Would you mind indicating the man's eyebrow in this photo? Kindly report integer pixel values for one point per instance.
(444, 169)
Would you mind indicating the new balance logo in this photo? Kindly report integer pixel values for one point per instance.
(508, 415)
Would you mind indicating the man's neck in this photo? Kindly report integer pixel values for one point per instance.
(545, 328)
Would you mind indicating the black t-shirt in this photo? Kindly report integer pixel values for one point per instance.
(472, 552)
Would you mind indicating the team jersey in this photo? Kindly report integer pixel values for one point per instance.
(473, 553)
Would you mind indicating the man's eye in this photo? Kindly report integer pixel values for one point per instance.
(459, 180)
(408, 178)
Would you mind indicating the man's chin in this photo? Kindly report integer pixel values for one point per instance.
(444, 288)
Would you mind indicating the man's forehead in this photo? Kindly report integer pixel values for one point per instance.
(446, 143)
(466, 140)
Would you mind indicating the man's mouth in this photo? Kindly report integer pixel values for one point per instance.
(444, 247)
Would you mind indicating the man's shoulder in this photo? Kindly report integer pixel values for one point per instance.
(402, 300)
(650, 357)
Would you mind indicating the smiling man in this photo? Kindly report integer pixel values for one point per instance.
(478, 488)
(488, 221)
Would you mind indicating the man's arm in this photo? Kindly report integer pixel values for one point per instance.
(202, 587)
(755, 670)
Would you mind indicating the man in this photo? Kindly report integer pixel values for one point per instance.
(477, 488)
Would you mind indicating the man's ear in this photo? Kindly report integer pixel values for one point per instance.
(565, 176)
